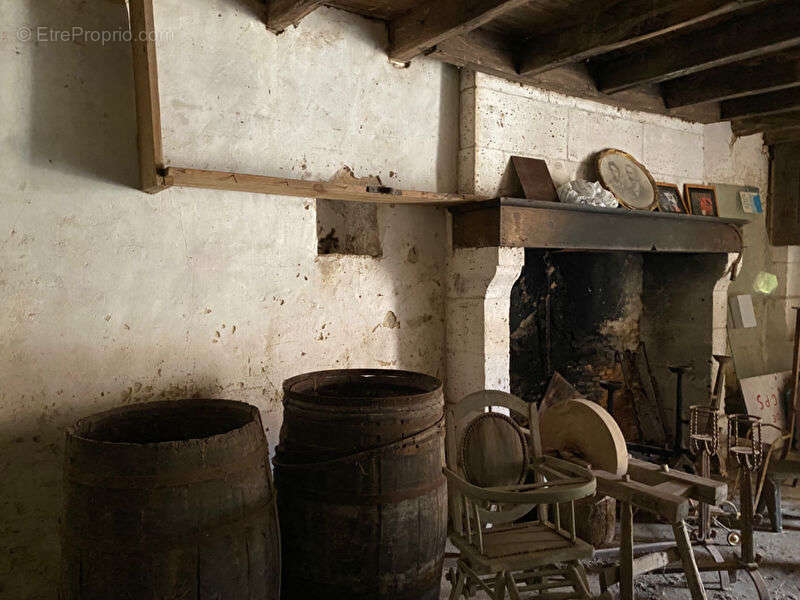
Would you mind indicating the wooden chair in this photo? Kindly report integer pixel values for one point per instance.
(781, 464)
(496, 476)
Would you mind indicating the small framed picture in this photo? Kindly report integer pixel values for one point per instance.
(701, 200)
(669, 198)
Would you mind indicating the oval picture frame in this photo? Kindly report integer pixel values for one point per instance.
(626, 178)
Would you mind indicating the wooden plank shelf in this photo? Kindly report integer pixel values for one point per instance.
(515, 222)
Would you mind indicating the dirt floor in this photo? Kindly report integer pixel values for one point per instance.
(780, 564)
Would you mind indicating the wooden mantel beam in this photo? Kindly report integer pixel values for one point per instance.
(281, 14)
(761, 105)
(774, 27)
(733, 81)
(614, 25)
(434, 21)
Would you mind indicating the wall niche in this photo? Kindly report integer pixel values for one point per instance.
(348, 227)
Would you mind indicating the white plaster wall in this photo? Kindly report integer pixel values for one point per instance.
(303, 103)
(112, 296)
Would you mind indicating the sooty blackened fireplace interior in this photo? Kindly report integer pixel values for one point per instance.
(582, 313)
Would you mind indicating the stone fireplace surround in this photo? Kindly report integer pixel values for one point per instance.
(683, 300)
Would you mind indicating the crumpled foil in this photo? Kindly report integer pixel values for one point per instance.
(588, 193)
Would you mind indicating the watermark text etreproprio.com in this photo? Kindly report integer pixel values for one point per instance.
(81, 35)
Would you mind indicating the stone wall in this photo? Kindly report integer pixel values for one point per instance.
(501, 118)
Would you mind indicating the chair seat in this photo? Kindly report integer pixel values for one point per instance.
(520, 546)
(790, 466)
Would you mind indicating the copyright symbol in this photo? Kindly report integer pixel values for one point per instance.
(24, 34)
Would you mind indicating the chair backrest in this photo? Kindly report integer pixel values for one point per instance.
(488, 446)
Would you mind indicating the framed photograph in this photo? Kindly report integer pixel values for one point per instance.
(669, 198)
(701, 200)
(627, 179)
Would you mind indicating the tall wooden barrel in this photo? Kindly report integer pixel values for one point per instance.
(361, 496)
(170, 500)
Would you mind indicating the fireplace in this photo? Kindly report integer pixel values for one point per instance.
(535, 289)
(584, 314)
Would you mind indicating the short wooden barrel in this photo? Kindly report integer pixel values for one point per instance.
(170, 500)
(361, 495)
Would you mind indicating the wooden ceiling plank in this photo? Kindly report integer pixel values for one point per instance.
(732, 81)
(616, 25)
(755, 125)
(773, 28)
(761, 104)
(434, 21)
(479, 51)
(489, 53)
(780, 136)
(282, 14)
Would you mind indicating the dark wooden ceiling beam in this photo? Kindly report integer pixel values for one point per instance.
(774, 27)
(281, 14)
(490, 53)
(761, 105)
(480, 51)
(755, 125)
(434, 21)
(780, 136)
(615, 25)
(732, 81)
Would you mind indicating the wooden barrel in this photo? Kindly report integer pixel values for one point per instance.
(170, 500)
(595, 520)
(361, 495)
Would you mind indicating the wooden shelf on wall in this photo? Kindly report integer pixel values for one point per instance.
(328, 190)
(514, 222)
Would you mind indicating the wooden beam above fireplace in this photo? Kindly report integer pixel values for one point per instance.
(513, 222)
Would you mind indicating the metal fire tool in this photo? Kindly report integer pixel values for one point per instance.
(675, 453)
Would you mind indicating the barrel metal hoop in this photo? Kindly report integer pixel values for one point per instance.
(360, 499)
(414, 438)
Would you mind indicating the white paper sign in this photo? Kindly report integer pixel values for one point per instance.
(763, 397)
(751, 201)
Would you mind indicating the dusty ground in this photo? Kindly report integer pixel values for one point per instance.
(780, 565)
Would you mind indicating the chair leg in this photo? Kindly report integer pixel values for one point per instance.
(626, 552)
(458, 585)
(772, 495)
(687, 559)
(512, 587)
(581, 581)
(500, 586)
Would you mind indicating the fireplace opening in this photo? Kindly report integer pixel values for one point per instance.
(623, 317)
